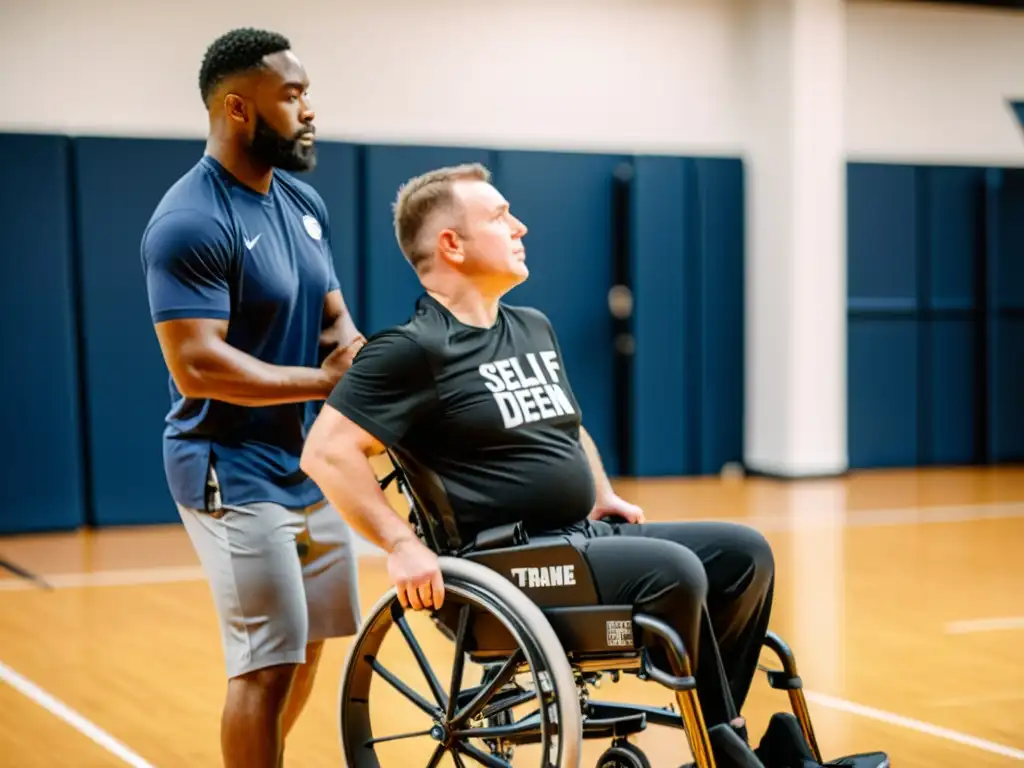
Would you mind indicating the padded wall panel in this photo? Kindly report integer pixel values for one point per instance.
(118, 184)
(719, 214)
(914, 245)
(950, 387)
(1006, 403)
(882, 236)
(1005, 328)
(1006, 272)
(565, 199)
(391, 286)
(883, 392)
(336, 179)
(952, 201)
(662, 359)
(42, 476)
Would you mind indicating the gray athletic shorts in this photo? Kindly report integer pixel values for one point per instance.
(281, 578)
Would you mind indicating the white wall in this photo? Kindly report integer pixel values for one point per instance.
(929, 83)
(925, 83)
(527, 73)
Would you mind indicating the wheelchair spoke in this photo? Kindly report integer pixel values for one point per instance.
(507, 672)
(458, 759)
(481, 757)
(402, 688)
(460, 661)
(421, 659)
(396, 737)
(506, 704)
(436, 757)
(499, 731)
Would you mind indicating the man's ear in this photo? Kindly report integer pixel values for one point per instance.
(449, 245)
(236, 108)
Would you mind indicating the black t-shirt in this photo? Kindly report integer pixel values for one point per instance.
(482, 420)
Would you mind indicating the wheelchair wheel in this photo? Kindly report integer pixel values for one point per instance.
(474, 722)
(623, 755)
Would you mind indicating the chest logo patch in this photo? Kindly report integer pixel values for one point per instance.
(312, 226)
(527, 392)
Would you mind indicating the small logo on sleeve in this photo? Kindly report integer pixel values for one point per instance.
(312, 226)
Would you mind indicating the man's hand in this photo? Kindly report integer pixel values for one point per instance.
(340, 359)
(612, 505)
(416, 574)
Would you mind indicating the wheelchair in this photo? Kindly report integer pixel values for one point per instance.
(529, 610)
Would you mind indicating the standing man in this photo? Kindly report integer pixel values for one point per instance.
(254, 330)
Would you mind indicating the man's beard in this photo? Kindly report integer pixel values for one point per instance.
(277, 151)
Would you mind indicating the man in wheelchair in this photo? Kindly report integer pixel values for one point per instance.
(472, 398)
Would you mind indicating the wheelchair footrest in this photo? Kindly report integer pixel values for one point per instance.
(600, 711)
(866, 760)
(613, 727)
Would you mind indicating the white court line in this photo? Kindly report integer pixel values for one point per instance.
(842, 705)
(69, 716)
(968, 626)
(118, 578)
(870, 518)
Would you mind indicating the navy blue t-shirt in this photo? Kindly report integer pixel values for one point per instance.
(215, 248)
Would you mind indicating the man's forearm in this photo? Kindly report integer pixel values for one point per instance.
(347, 480)
(225, 373)
(601, 481)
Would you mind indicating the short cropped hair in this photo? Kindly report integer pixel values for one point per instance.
(420, 197)
(239, 50)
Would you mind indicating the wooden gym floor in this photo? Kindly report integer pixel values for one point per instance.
(902, 594)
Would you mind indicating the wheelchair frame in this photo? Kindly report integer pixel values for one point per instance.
(541, 624)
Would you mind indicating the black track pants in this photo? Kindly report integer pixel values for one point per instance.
(712, 582)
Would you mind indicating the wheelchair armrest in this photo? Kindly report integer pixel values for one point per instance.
(499, 537)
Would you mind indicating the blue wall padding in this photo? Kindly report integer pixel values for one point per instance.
(883, 390)
(720, 295)
(916, 251)
(390, 285)
(951, 387)
(336, 178)
(1005, 315)
(42, 486)
(935, 260)
(118, 183)
(882, 237)
(565, 200)
(687, 260)
(663, 364)
(953, 201)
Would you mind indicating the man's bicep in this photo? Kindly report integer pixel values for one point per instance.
(184, 342)
(186, 260)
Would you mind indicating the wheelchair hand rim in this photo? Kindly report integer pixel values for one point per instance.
(463, 579)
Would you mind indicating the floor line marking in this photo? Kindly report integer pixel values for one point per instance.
(995, 624)
(61, 710)
(853, 708)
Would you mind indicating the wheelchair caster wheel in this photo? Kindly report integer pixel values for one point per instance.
(623, 755)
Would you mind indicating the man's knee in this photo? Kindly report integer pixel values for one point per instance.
(672, 586)
(270, 685)
(306, 672)
(750, 546)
